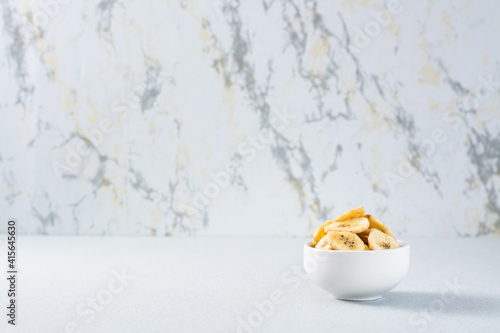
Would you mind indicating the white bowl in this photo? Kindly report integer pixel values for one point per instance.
(357, 275)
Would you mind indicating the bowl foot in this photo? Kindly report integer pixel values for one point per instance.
(358, 299)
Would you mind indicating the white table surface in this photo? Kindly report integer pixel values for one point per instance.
(209, 284)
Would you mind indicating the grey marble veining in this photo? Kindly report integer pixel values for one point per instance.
(249, 117)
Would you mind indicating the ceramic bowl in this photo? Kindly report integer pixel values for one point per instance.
(357, 275)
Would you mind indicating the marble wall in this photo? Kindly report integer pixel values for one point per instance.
(263, 118)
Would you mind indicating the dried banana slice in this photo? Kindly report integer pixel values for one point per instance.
(374, 223)
(381, 241)
(355, 225)
(324, 243)
(311, 244)
(367, 248)
(350, 214)
(364, 235)
(345, 240)
(320, 231)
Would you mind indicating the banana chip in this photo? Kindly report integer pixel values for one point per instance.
(355, 225)
(320, 231)
(381, 241)
(364, 235)
(324, 243)
(350, 214)
(345, 240)
(374, 223)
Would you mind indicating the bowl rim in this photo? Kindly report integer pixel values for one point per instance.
(404, 246)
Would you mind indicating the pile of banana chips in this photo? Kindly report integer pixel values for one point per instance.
(354, 231)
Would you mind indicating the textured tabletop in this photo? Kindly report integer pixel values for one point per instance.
(119, 284)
